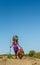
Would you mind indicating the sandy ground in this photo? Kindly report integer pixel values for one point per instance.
(24, 61)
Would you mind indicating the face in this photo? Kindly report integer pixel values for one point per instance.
(15, 40)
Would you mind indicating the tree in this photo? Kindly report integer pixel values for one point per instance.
(31, 53)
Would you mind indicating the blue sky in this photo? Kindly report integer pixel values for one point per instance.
(20, 17)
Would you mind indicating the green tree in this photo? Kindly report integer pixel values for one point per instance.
(31, 53)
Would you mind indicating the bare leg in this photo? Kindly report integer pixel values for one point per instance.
(15, 54)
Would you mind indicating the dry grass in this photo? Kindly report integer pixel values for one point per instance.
(23, 61)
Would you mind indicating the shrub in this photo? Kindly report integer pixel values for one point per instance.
(31, 53)
(37, 55)
(9, 56)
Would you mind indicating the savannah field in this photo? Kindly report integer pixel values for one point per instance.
(24, 61)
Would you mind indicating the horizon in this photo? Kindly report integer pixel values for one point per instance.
(22, 18)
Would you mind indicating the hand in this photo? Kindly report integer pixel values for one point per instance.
(10, 46)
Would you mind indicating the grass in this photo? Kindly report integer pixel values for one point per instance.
(32, 54)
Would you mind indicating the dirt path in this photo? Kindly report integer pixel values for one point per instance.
(27, 61)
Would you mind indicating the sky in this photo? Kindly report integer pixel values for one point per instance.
(22, 18)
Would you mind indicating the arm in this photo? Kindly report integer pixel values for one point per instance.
(12, 44)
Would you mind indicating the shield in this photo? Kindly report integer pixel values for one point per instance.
(20, 53)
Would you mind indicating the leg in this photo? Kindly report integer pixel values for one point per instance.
(16, 50)
(15, 54)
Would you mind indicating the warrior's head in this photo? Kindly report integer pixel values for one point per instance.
(15, 38)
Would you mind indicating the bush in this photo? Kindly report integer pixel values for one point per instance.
(31, 53)
(37, 55)
(9, 56)
(1, 57)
